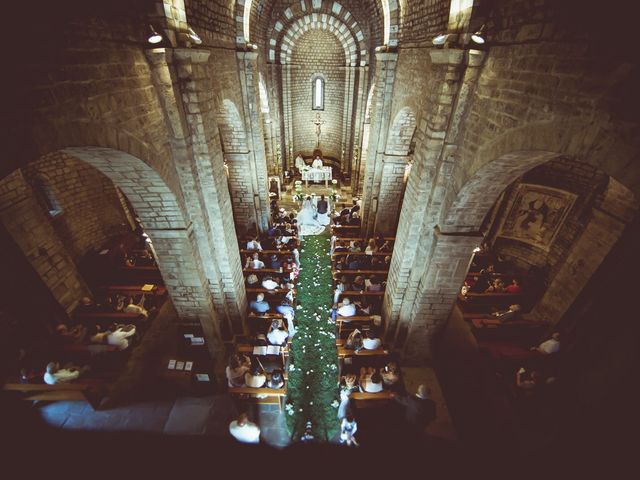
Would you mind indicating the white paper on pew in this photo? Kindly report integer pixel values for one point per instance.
(179, 365)
(188, 335)
(202, 377)
(104, 252)
(172, 365)
(197, 340)
(147, 287)
(188, 366)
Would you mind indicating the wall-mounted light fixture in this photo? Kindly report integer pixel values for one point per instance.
(194, 36)
(154, 37)
(440, 39)
(478, 37)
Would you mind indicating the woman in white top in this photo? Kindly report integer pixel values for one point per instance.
(54, 374)
(370, 380)
(256, 378)
(277, 335)
(370, 341)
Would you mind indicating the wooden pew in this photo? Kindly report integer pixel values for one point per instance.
(358, 293)
(378, 273)
(284, 253)
(283, 352)
(376, 254)
(59, 392)
(277, 394)
(366, 399)
(249, 271)
(150, 274)
(360, 239)
(345, 352)
(158, 291)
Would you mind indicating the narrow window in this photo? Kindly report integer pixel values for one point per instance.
(44, 193)
(318, 94)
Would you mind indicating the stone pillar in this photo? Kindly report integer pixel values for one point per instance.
(390, 197)
(385, 74)
(448, 263)
(248, 65)
(240, 188)
(429, 189)
(211, 183)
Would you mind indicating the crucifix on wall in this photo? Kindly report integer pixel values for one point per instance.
(318, 122)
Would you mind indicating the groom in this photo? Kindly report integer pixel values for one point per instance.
(322, 205)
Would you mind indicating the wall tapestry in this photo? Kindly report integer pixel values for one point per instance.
(536, 214)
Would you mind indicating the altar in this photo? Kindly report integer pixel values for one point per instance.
(317, 175)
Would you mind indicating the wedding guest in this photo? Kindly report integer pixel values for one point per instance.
(370, 380)
(346, 308)
(244, 431)
(277, 335)
(348, 429)
(375, 285)
(513, 287)
(390, 374)
(254, 244)
(372, 247)
(276, 379)
(54, 374)
(497, 286)
(419, 411)
(259, 305)
(255, 378)
(235, 371)
(269, 283)
(550, 346)
(371, 340)
(348, 387)
(254, 262)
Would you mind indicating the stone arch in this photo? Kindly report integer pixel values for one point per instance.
(245, 8)
(401, 133)
(285, 42)
(232, 131)
(264, 97)
(168, 228)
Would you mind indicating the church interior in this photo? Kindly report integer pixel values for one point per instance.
(437, 193)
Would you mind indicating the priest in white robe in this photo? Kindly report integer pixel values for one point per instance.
(317, 163)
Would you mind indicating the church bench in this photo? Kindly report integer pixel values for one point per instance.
(275, 291)
(360, 239)
(283, 252)
(103, 317)
(366, 399)
(490, 298)
(346, 352)
(273, 396)
(360, 293)
(376, 254)
(132, 290)
(249, 349)
(339, 273)
(36, 392)
(249, 271)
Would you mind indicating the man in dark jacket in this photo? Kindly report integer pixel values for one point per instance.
(419, 409)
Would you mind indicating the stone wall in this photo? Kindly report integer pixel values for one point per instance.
(32, 229)
(90, 208)
(328, 61)
(421, 21)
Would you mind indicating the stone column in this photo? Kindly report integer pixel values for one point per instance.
(390, 197)
(248, 65)
(210, 184)
(385, 74)
(240, 188)
(448, 263)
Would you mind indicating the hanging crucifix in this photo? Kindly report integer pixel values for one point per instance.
(318, 123)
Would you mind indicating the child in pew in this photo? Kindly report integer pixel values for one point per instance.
(276, 379)
(348, 429)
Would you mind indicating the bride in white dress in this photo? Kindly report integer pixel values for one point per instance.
(308, 219)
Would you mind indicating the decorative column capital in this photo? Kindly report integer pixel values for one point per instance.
(447, 56)
(192, 54)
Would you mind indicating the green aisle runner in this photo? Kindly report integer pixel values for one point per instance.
(313, 387)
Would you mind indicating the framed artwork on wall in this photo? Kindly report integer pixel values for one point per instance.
(536, 214)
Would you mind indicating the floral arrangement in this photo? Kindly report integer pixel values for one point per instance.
(334, 196)
(334, 181)
(298, 197)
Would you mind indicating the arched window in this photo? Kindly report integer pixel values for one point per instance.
(318, 93)
(46, 197)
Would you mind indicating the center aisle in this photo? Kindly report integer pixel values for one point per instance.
(313, 371)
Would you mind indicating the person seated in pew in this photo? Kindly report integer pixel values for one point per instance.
(269, 243)
(276, 379)
(340, 265)
(129, 262)
(375, 284)
(277, 334)
(372, 247)
(252, 281)
(390, 375)
(348, 386)
(371, 341)
(255, 378)
(254, 262)
(137, 307)
(145, 259)
(254, 244)
(354, 341)
(341, 246)
(237, 367)
(243, 430)
(86, 305)
(54, 374)
(354, 246)
(528, 383)
(481, 282)
(377, 263)
(259, 305)
(513, 287)
(342, 286)
(497, 286)
(269, 283)
(387, 262)
(353, 262)
(510, 314)
(550, 346)
(346, 308)
(358, 283)
(70, 336)
(370, 380)
(355, 219)
(116, 336)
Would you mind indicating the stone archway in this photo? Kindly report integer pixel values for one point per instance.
(168, 228)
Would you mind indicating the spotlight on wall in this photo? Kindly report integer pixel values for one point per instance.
(440, 39)
(381, 48)
(478, 37)
(154, 37)
(194, 36)
(252, 46)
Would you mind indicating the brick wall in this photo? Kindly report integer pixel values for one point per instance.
(318, 52)
(212, 20)
(421, 21)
